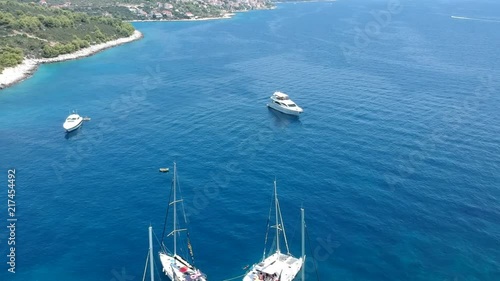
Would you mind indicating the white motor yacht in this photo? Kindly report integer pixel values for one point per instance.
(73, 122)
(281, 102)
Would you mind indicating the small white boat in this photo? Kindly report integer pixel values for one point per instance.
(281, 102)
(73, 122)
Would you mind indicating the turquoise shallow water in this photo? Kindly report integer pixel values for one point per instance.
(395, 159)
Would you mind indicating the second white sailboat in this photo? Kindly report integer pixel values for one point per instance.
(278, 266)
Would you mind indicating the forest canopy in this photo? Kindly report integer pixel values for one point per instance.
(34, 31)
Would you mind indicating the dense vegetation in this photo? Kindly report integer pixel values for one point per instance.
(10, 56)
(30, 30)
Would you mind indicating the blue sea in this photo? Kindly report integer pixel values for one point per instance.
(395, 160)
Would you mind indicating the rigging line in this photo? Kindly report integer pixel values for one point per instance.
(166, 215)
(186, 221)
(265, 240)
(157, 272)
(162, 246)
(234, 277)
(267, 226)
(145, 267)
(182, 203)
(294, 233)
(283, 227)
(188, 239)
(310, 249)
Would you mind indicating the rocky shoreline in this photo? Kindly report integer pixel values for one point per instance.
(18, 73)
(225, 16)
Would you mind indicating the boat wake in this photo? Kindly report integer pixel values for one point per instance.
(475, 19)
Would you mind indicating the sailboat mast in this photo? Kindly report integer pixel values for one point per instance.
(303, 244)
(151, 253)
(277, 221)
(175, 210)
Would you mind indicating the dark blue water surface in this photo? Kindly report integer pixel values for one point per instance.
(396, 158)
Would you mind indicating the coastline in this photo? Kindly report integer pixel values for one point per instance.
(225, 16)
(304, 1)
(18, 73)
(24, 70)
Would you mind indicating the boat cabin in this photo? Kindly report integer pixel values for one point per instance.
(280, 96)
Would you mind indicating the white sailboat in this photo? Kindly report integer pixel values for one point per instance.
(278, 266)
(176, 267)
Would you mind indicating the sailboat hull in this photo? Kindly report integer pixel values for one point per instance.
(278, 266)
(177, 269)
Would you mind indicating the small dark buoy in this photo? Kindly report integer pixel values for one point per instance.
(164, 170)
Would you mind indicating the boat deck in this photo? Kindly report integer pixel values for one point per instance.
(278, 266)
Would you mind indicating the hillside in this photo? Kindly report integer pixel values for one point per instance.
(158, 9)
(35, 31)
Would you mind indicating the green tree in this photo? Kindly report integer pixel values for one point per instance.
(99, 35)
(49, 51)
(10, 56)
